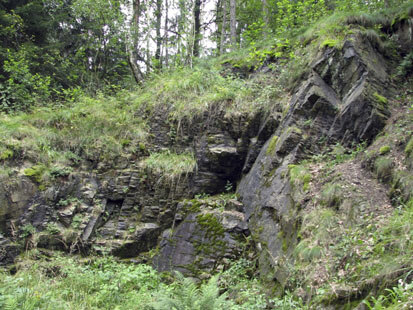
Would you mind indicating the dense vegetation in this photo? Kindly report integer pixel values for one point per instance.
(68, 95)
(54, 50)
(101, 283)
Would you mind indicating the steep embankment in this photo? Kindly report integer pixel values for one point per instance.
(323, 172)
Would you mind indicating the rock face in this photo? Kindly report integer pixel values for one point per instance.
(204, 239)
(341, 101)
(223, 149)
(123, 209)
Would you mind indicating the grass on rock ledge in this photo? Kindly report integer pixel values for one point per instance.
(91, 128)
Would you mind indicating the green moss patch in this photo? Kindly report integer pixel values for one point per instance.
(384, 149)
(381, 99)
(299, 176)
(211, 225)
(36, 172)
(329, 43)
(271, 147)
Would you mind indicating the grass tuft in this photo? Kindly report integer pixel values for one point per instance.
(384, 168)
(300, 177)
(92, 128)
(170, 166)
(331, 195)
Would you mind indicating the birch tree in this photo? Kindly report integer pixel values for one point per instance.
(233, 24)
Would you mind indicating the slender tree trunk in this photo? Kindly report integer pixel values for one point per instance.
(218, 24)
(166, 38)
(158, 14)
(182, 33)
(197, 27)
(266, 17)
(132, 22)
(223, 27)
(148, 43)
(233, 24)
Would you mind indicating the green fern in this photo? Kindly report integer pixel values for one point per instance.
(187, 296)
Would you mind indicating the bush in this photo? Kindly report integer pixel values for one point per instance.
(22, 88)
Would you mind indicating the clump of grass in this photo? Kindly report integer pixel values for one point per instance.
(381, 99)
(402, 186)
(300, 176)
(91, 128)
(406, 66)
(409, 147)
(331, 195)
(307, 252)
(398, 297)
(330, 29)
(188, 92)
(6, 153)
(367, 20)
(384, 168)
(318, 224)
(170, 166)
(271, 147)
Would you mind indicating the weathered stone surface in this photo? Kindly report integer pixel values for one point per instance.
(340, 101)
(8, 251)
(403, 34)
(123, 208)
(202, 241)
(15, 195)
(142, 240)
(219, 162)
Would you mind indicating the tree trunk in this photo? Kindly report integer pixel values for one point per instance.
(223, 27)
(166, 38)
(233, 24)
(197, 27)
(266, 18)
(132, 22)
(158, 14)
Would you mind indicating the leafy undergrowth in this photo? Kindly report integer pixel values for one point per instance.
(56, 282)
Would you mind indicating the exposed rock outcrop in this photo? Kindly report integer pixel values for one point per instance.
(342, 100)
(206, 237)
(124, 209)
